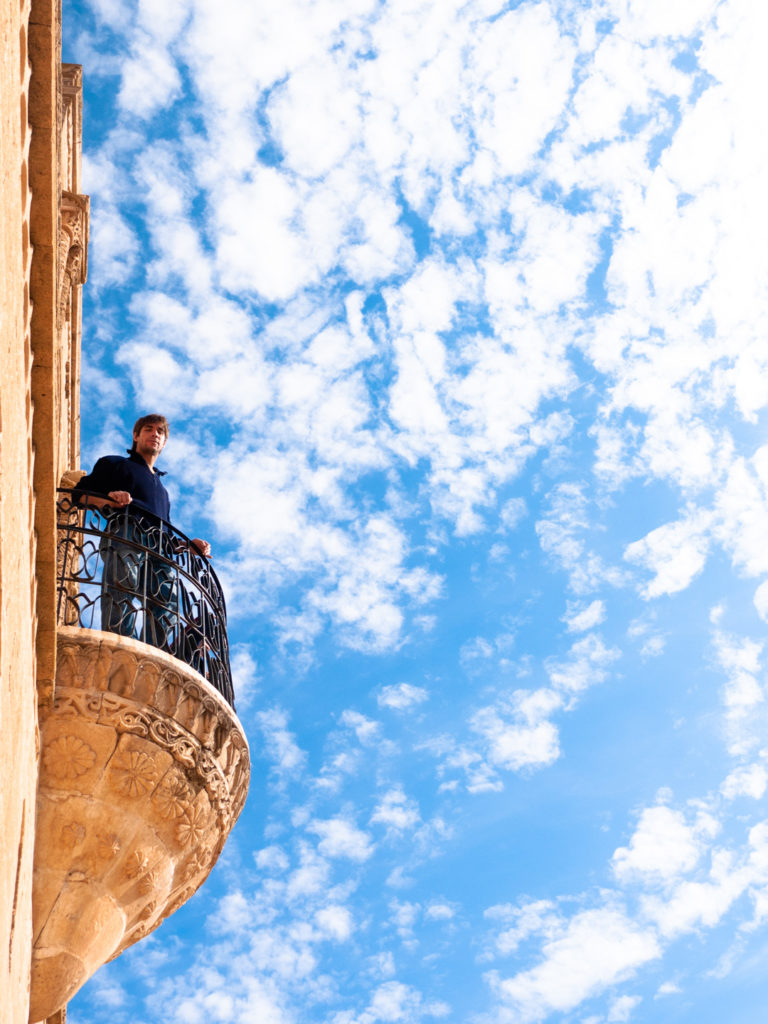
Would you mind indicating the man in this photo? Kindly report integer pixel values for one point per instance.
(131, 493)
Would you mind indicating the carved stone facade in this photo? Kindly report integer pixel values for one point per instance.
(39, 431)
(72, 266)
(144, 772)
(73, 251)
(18, 702)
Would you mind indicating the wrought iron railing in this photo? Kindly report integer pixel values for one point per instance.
(128, 572)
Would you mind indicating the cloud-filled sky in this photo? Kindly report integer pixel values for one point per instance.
(457, 310)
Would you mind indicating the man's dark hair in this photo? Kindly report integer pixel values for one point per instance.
(145, 421)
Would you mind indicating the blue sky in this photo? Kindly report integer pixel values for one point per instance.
(456, 309)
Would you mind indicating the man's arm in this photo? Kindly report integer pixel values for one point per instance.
(117, 499)
(106, 484)
(202, 546)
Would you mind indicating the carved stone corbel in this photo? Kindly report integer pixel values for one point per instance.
(144, 769)
(73, 249)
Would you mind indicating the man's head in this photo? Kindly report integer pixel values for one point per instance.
(150, 434)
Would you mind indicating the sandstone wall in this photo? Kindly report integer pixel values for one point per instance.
(43, 242)
(18, 699)
(44, 177)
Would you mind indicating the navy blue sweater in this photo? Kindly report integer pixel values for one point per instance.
(116, 473)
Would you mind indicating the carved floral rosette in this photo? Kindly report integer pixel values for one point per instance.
(144, 769)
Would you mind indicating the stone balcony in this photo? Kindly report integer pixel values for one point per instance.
(144, 766)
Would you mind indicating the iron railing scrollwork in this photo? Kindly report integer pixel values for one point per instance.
(128, 572)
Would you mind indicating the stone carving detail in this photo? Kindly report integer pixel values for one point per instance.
(181, 898)
(73, 834)
(73, 249)
(192, 827)
(149, 882)
(172, 797)
(107, 846)
(136, 863)
(68, 757)
(135, 773)
(147, 911)
(224, 770)
(197, 862)
(166, 767)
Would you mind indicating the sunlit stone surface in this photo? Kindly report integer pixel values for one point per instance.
(144, 770)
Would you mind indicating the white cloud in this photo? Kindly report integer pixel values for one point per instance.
(749, 780)
(594, 950)
(515, 87)
(359, 574)
(366, 730)
(622, 1007)
(516, 731)
(383, 964)
(340, 838)
(151, 80)
(287, 757)
(396, 811)
(479, 654)
(234, 912)
(656, 19)
(110, 994)
(668, 988)
(528, 738)
(310, 879)
(271, 858)
(114, 247)
(664, 849)
(481, 775)
(675, 552)
(743, 506)
(586, 665)
(512, 512)
(401, 696)
(316, 117)
(404, 917)
(439, 912)
(697, 903)
(393, 1001)
(662, 846)
(558, 251)
(743, 695)
(559, 535)
(266, 205)
(245, 674)
(335, 922)
(761, 601)
(652, 641)
(577, 621)
(539, 917)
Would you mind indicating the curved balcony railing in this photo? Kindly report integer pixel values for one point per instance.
(130, 573)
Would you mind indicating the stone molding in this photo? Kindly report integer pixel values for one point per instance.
(144, 770)
(73, 249)
(71, 126)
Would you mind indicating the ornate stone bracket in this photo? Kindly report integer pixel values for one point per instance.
(144, 770)
(73, 249)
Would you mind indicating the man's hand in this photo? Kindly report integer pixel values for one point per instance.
(115, 499)
(120, 498)
(202, 546)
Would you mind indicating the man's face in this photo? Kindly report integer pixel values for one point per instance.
(150, 440)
